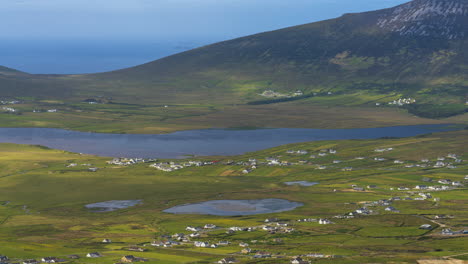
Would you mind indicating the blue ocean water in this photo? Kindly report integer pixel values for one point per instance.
(71, 57)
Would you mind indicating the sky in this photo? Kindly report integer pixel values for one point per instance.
(82, 36)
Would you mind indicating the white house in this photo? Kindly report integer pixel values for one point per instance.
(201, 244)
(193, 229)
(325, 222)
(227, 260)
(51, 260)
(209, 226)
(93, 255)
(194, 235)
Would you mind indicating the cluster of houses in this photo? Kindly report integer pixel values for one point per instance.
(129, 161)
(275, 161)
(204, 244)
(47, 111)
(172, 166)
(402, 101)
(165, 243)
(92, 101)
(178, 238)
(446, 161)
(300, 259)
(253, 164)
(124, 259)
(227, 260)
(447, 184)
(380, 150)
(321, 221)
(411, 196)
(435, 187)
(441, 162)
(386, 203)
(250, 165)
(131, 258)
(323, 153)
(9, 109)
(258, 254)
(365, 210)
(6, 102)
(279, 227)
(243, 245)
(273, 94)
(5, 260)
(71, 165)
(294, 260)
(272, 225)
(92, 169)
(450, 232)
(297, 152)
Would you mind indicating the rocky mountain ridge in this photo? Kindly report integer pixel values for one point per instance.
(428, 18)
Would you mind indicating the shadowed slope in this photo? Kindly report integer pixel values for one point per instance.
(418, 49)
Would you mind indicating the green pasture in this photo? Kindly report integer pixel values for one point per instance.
(42, 203)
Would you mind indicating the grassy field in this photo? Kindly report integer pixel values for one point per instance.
(42, 202)
(157, 118)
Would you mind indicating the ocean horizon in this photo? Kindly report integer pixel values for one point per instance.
(81, 57)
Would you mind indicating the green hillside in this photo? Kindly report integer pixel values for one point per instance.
(344, 55)
(6, 70)
(358, 61)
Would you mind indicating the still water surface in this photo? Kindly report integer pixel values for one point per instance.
(195, 142)
(235, 207)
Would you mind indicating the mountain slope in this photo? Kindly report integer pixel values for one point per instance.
(9, 71)
(433, 18)
(418, 45)
(416, 29)
(418, 49)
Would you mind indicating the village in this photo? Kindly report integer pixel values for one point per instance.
(252, 241)
(14, 110)
(273, 94)
(199, 236)
(251, 164)
(402, 101)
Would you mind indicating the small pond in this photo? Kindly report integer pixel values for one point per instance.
(113, 205)
(235, 207)
(301, 183)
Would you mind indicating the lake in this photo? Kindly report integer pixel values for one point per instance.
(235, 207)
(301, 183)
(205, 142)
(109, 206)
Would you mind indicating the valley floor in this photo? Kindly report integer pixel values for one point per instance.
(156, 119)
(367, 189)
